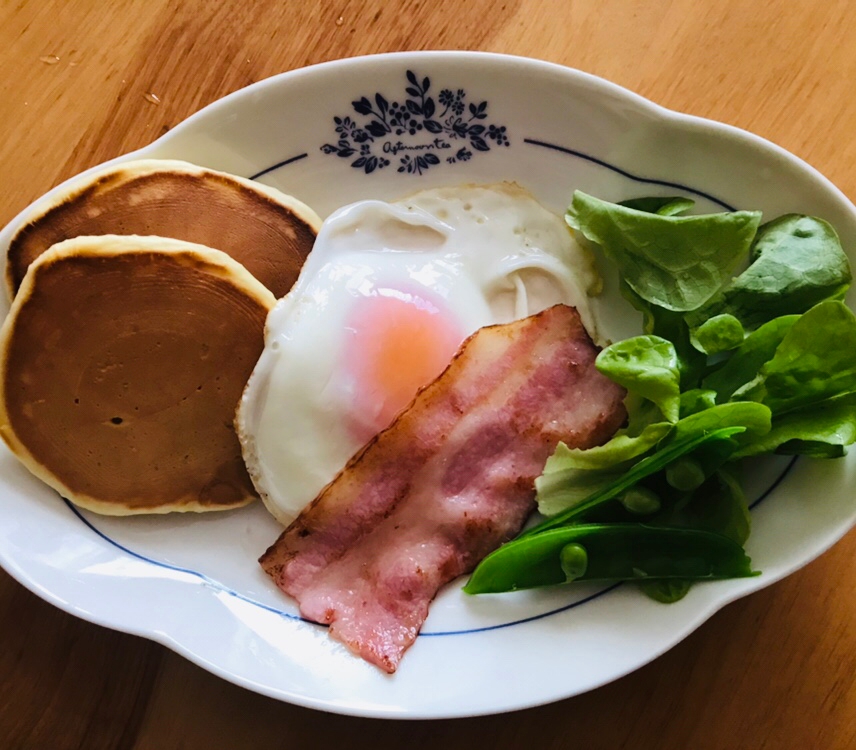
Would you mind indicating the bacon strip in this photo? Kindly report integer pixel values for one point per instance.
(449, 481)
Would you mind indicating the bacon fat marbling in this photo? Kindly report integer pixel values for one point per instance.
(449, 481)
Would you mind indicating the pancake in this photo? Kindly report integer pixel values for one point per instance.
(121, 363)
(268, 232)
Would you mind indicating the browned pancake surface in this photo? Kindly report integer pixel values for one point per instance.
(268, 233)
(123, 370)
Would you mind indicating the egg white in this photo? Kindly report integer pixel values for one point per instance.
(488, 254)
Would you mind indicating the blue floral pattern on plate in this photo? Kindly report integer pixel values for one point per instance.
(403, 129)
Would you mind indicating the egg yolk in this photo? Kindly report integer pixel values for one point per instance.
(398, 343)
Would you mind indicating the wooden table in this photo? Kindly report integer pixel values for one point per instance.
(82, 81)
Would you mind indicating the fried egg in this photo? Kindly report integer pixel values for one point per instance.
(384, 300)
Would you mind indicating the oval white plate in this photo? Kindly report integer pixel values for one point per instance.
(192, 582)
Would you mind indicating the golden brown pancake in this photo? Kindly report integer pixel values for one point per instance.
(266, 231)
(121, 363)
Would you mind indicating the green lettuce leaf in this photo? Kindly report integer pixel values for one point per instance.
(676, 262)
(720, 333)
(797, 263)
(669, 325)
(619, 450)
(821, 429)
(646, 366)
(743, 365)
(696, 400)
(755, 418)
(665, 206)
(559, 491)
(816, 360)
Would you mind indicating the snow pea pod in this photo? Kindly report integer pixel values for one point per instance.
(609, 552)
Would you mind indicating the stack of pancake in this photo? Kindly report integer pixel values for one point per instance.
(140, 295)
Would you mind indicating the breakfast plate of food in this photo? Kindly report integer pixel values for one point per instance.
(427, 384)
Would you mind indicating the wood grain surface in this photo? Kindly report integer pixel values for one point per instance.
(82, 81)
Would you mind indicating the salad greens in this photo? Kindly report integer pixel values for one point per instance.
(814, 361)
(650, 249)
(729, 366)
(797, 262)
(647, 366)
(757, 348)
(548, 484)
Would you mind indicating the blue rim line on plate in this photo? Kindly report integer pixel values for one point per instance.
(564, 150)
(212, 583)
(220, 587)
(277, 166)
(628, 175)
